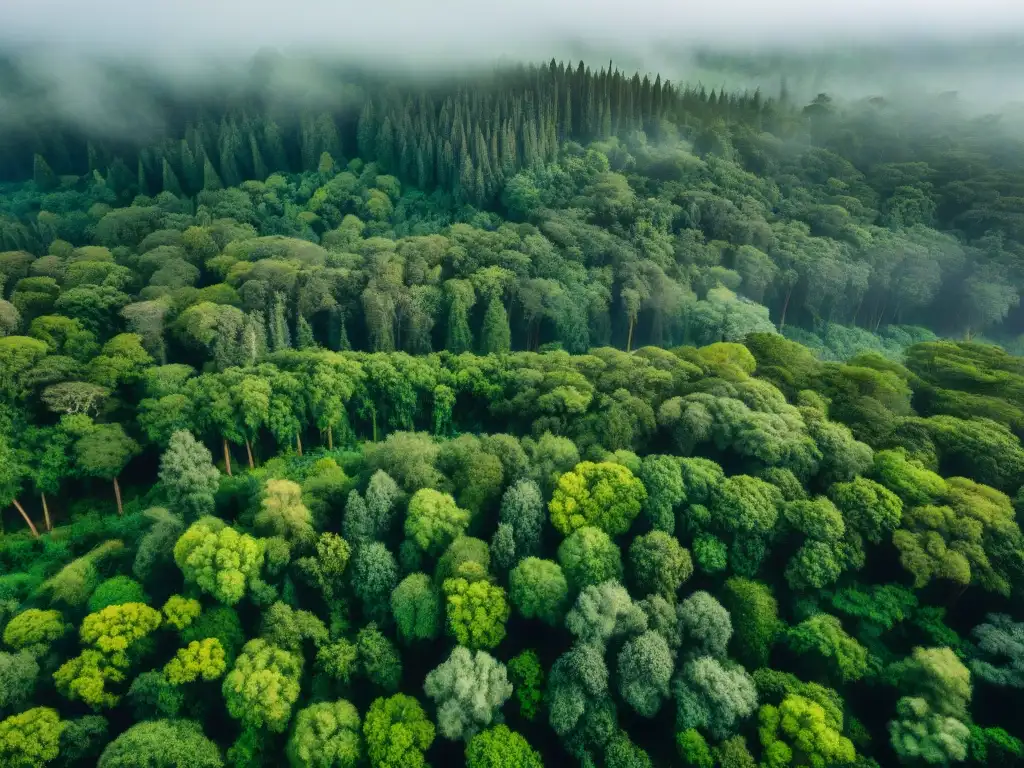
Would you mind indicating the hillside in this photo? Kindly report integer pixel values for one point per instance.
(557, 416)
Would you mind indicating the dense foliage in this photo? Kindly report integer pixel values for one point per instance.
(531, 434)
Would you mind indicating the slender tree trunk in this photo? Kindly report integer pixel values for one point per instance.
(330, 438)
(629, 338)
(24, 514)
(373, 417)
(785, 306)
(227, 456)
(117, 495)
(248, 450)
(298, 442)
(46, 513)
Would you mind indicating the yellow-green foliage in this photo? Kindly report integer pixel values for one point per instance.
(263, 686)
(180, 611)
(219, 559)
(201, 658)
(34, 630)
(477, 612)
(30, 739)
(85, 678)
(605, 495)
(116, 627)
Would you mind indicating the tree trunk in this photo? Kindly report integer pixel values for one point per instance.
(298, 442)
(117, 495)
(785, 306)
(227, 457)
(629, 338)
(373, 416)
(46, 513)
(24, 514)
(330, 438)
(248, 450)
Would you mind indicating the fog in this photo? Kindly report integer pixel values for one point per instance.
(458, 30)
(64, 51)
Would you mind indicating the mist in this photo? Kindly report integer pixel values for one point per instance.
(104, 66)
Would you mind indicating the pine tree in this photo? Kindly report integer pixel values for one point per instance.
(43, 175)
(366, 131)
(254, 336)
(142, 181)
(495, 334)
(170, 180)
(273, 148)
(304, 334)
(385, 154)
(191, 171)
(211, 181)
(279, 336)
(259, 167)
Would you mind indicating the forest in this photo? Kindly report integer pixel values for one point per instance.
(561, 415)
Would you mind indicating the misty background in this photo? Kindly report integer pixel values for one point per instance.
(106, 66)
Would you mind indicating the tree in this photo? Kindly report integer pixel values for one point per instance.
(163, 744)
(522, 508)
(604, 611)
(921, 734)
(219, 560)
(588, 556)
(539, 590)
(34, 630)
(283, 514)
(663, 480)
(83, 739)
(179, 612)
(378, 659)
(823, 634)
(188, 474)
(797, 732)
(469, 689)
(374, 576)
(754, 614)
(263, 686)
(466, 557)
(117, 590)
(476, 612)
(18, 672)
(605, 496)
(326, 735)
(12, 475)
(578, 682)
(659, 564)
(931, 717)
(869, 509)
(1000, 639)
(527, 676)
(115, 628)
(705, 626)
(433, 520)
(416, 608)
(30, 739)
(200, 659)
(397, 733)
(151, 696)
(645, 668)
(499, 747)
(103, 451)
(713, 695)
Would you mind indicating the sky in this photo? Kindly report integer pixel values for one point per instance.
(456, 30)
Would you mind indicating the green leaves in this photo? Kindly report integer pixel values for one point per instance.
(605, 496)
